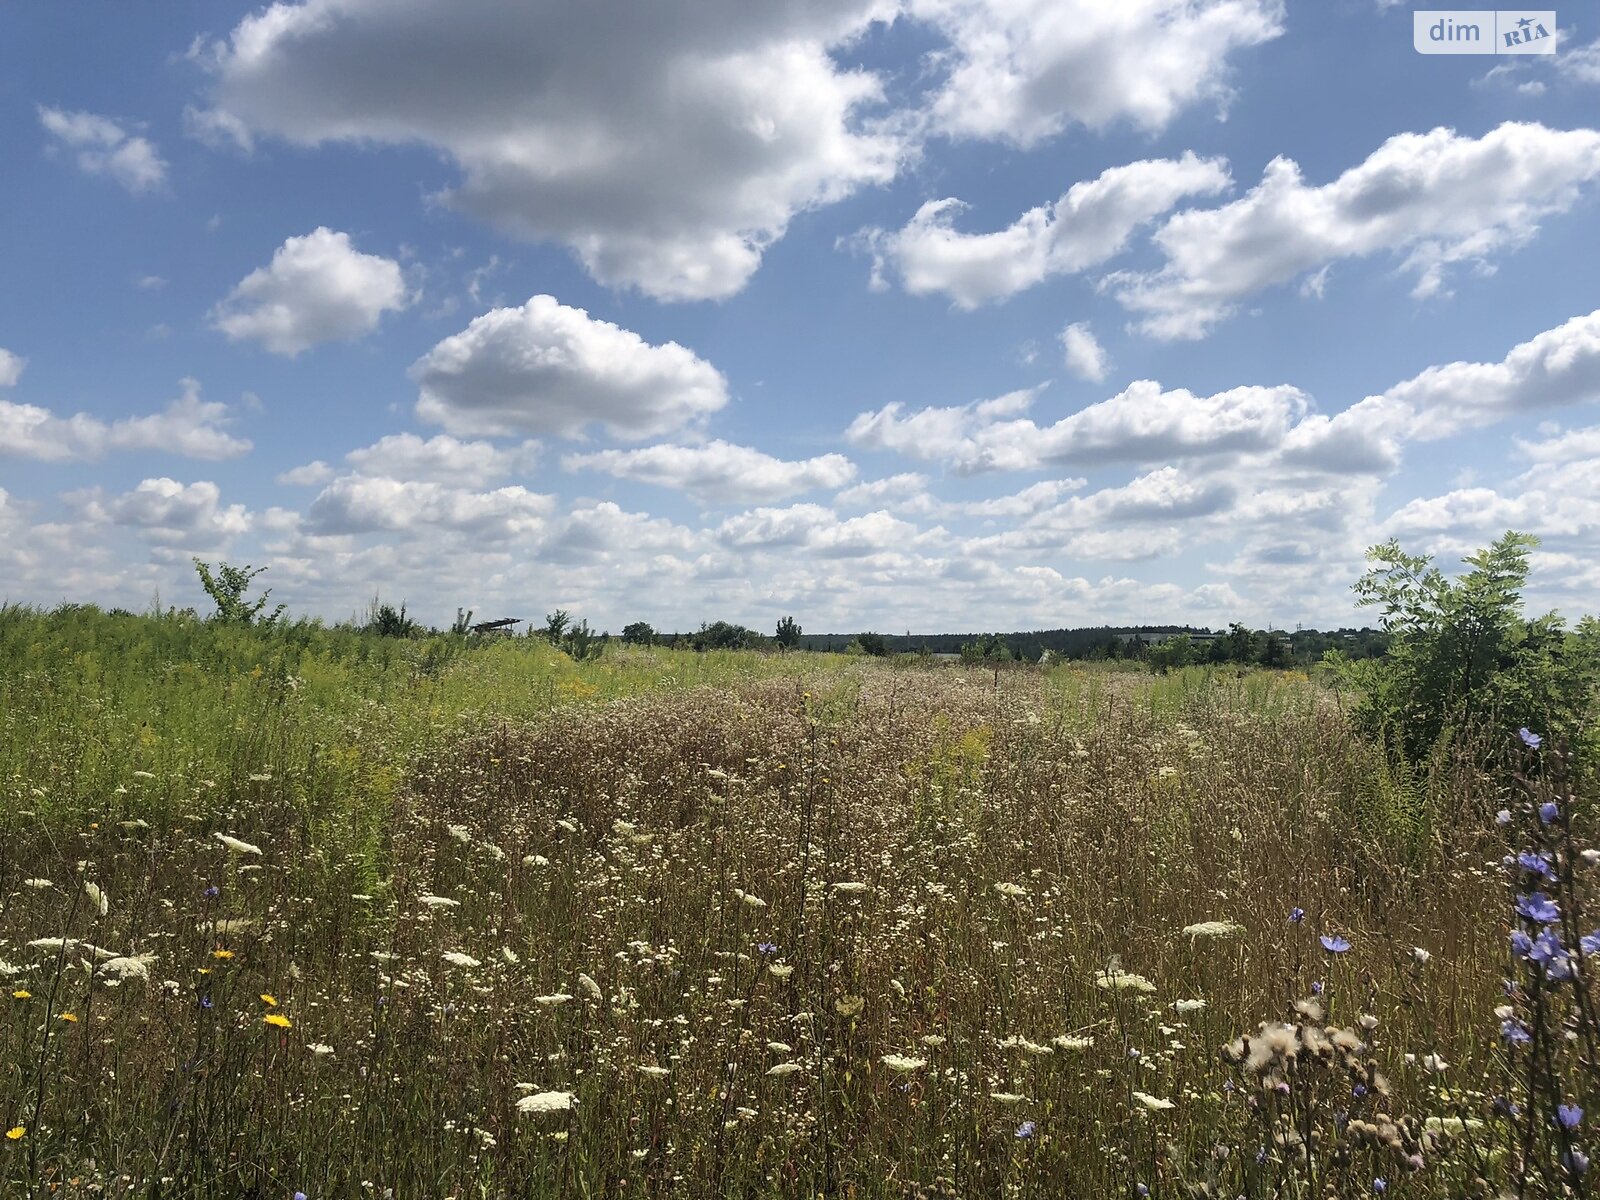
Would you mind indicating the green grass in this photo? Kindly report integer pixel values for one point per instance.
(659, 838)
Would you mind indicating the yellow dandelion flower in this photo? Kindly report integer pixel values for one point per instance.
(16, 1133)
(222, 954)
(22, 994)
(268, 1000)
(70, 1018)
(278, 1020)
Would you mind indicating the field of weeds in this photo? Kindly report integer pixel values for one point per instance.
(809, 928)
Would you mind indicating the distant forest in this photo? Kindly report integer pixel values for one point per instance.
(1236, 644)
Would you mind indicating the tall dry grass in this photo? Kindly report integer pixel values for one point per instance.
(869, 932)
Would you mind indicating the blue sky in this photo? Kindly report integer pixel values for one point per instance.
(937, 314)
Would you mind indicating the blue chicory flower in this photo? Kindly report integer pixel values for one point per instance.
(1536, 864)
(1515, 1032)
(1576, 1161)
(1548, 812)
(1536, 906)
(1026, 1129)
(1334, 943)
(1521, 943)
(1530, 739)
(1569, 1115)
(1296, 915)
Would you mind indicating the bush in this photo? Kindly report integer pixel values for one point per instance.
(1464, 660)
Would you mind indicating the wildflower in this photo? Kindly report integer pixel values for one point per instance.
(545, 1102)
(849, 1006)
(1018, 1042)
(1529, 739)
(1026, 1129)
(222, 954)
(1007, 1097)
(590, 986)
(1380, 1185)
(69, 1018)
(1184, 1007)
(1069, 1041)
(1421, 956)
(1570, 1116)
(1535, 864)
(655, 1072)
(747, 898)
(212, 892)
(128, 966)
(1515, 1032)
(16, 1133)
(903, 1063)
(439, 901)
(1296, 915)
(37, 885)
(849, 888)
(552, 1000)
(1212, 929)
(767, 947)
(96, 897)
(1548, 811)
(460, 832)
(457, 959)
(780, 970)
(1503, 817)
(278, 1020)
(269, 1000)
(1590, 856)
(1010, 889)
(1521, 943)
(783, 1068)
(1589, 943)
(320, 1049)
(1536, 906)
(1575, 1161)
(1153, 1103)
(1123, 981)
(1334, 943)
(22, 994)
(237, 846)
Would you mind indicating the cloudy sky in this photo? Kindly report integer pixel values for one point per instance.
(893, 314)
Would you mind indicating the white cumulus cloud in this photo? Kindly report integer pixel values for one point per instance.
(1025, 70)
(188, 426)
(1437, 198)
(547, 369)
(1084, 355)
(101, 146)
(719, 472)
(668, 144)
(318, 288)
(1085, 227)
(10, 367)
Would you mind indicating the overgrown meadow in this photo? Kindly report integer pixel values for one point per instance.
(309, 911)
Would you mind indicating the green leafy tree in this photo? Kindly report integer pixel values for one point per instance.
(1464, 664)
(555, 626)
(387, 621)
(639, 633)
(788, 634)
(1172, 653)
(227, 588)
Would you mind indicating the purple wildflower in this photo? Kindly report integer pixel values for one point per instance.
(1536, 906)
(1530, 739)
(1515, 1032)
(1296, 915)
(1548, 812)
(1334, 943)
(1535, 864)
(1570, 1116)
(1026, 1129)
